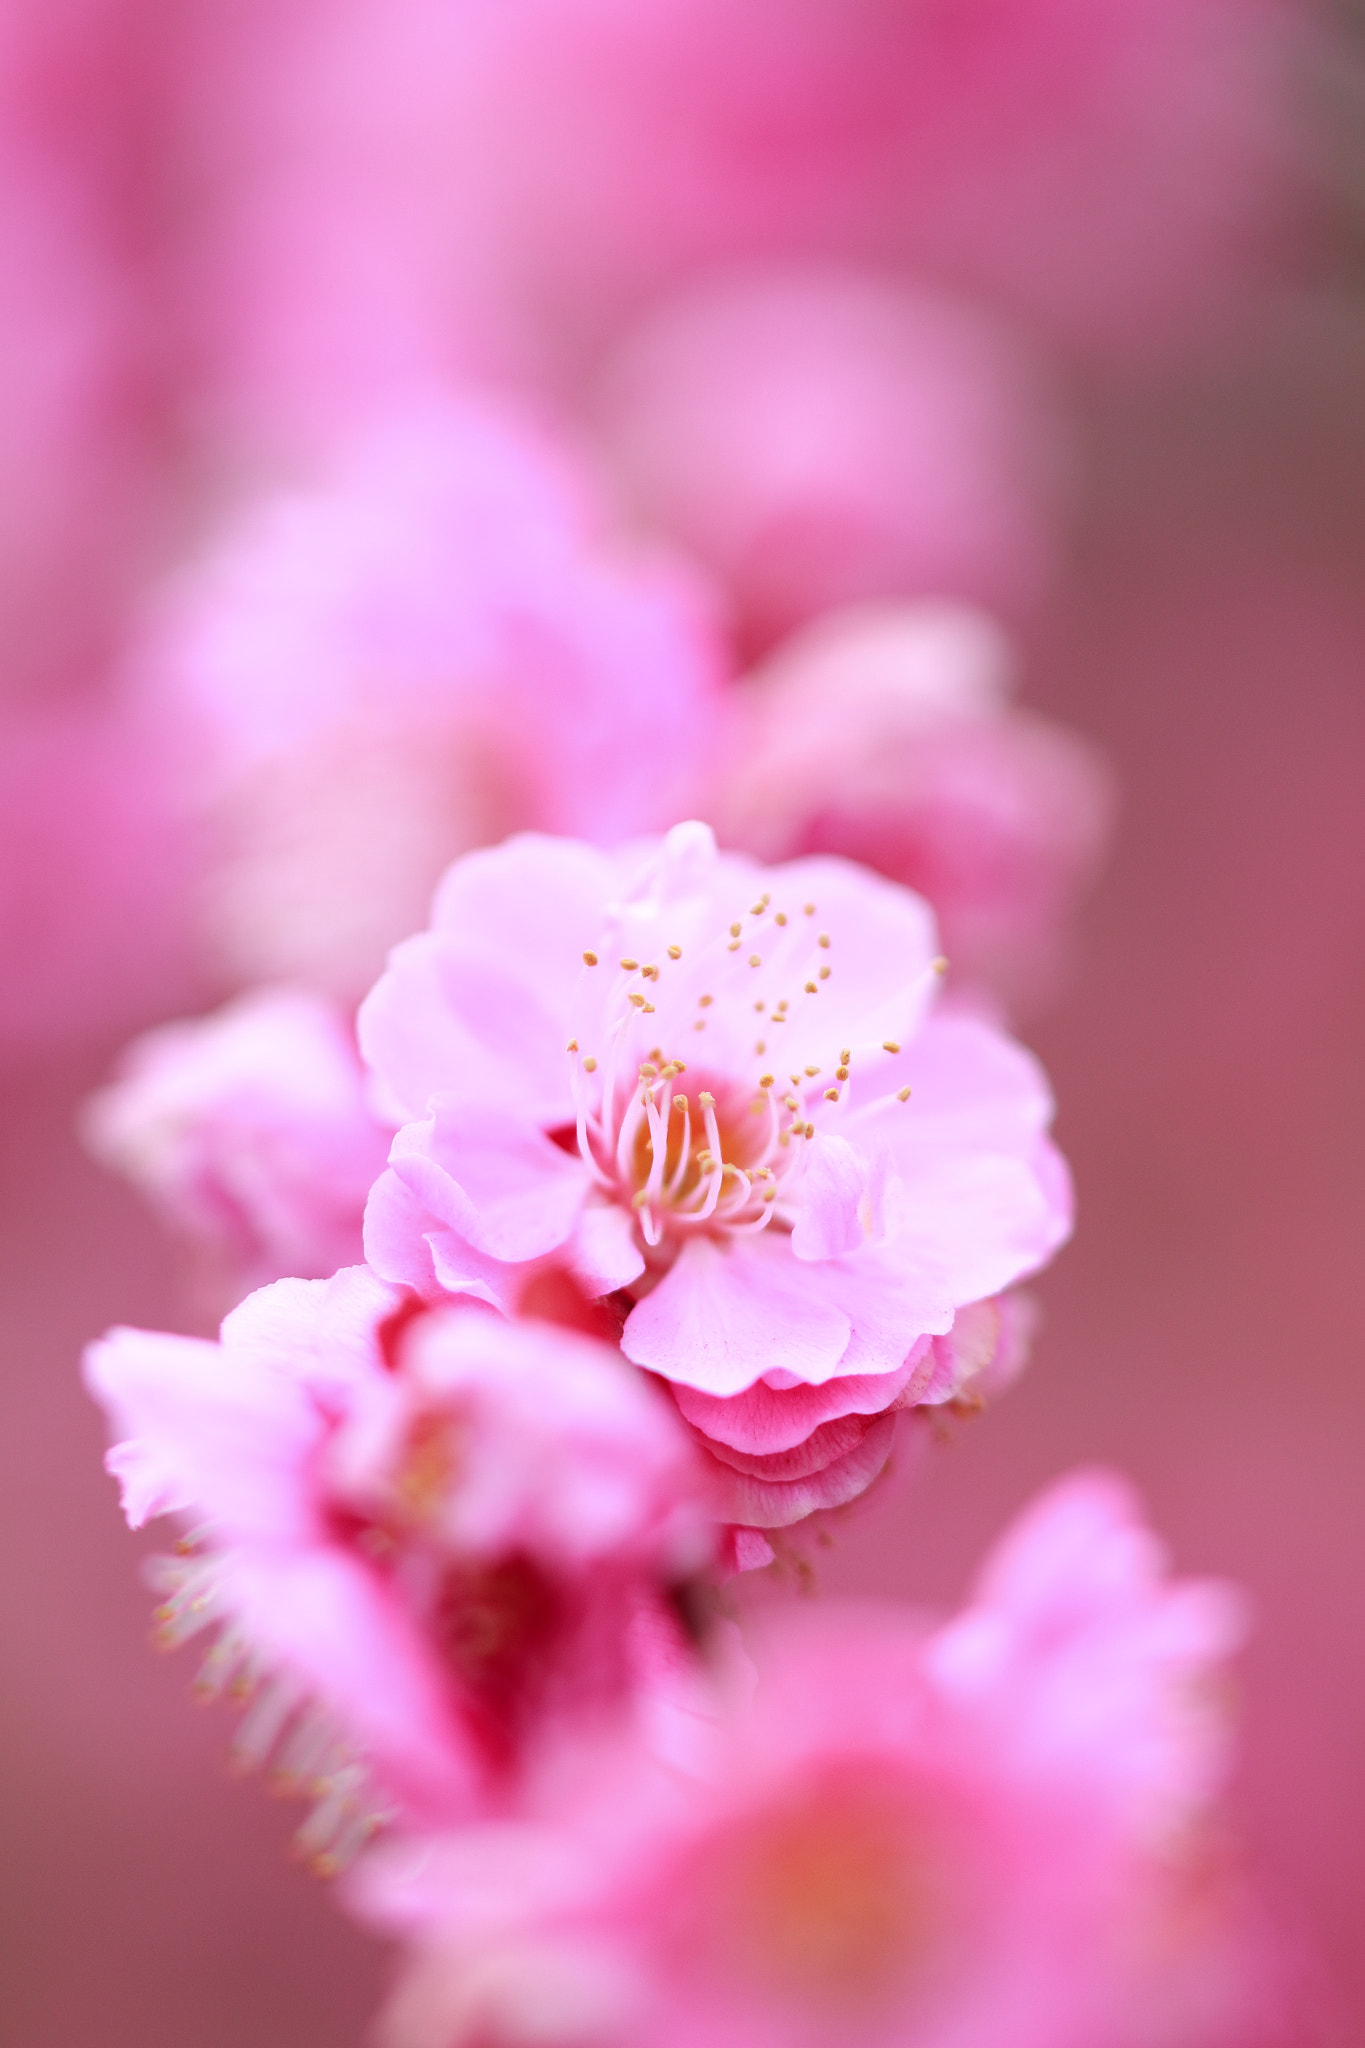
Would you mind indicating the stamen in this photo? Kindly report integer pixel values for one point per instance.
(890, 1045)
(590, 1065)
(705, 1002)
(572, 1045)
(754, 960)
(675, 952)
(823, 939)
(765, 1080)
(831, 1095)
(902, 1095)
(780, 917)
(760, 1047)
(824, 974)
(735, 930)
(810, 909)
(811, 989)
(590, 959)
(812, 1072)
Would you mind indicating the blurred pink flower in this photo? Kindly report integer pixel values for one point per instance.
(787, 1235)
(251, 1134)
(886, 734)
(374, 676)
(433, 1543)
(819, 435)
(1003, 1830)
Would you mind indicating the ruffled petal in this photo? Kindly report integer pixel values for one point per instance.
(765, 1420)
(777, 1504)
(494, 1179)
(604, 1253)
(224, 1433)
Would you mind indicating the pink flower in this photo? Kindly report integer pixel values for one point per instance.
(373, 676)
(1004, 1830)
(250, 1132)
(886, 734)
(820, 436)
(435, 1544)
(787, 1233)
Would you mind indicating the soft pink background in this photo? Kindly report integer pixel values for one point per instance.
(1207, 1330)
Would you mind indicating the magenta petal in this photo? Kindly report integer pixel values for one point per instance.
(824, 1447)
(777, 1504)
(723, 1315)
(498, 1182)
(764, 1420)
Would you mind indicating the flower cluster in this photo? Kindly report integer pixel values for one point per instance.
(538, 679)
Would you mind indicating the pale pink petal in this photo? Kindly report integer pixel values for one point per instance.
(495, 1180)
(824, 1447)
(604, 1253)
(474, 1008)
(841, 1199)
(221, 1430)
(722, 1316)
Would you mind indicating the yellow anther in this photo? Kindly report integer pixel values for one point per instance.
(823, 975)
(754, 960)
(650, 973)
(780, 917)
(638, 1000)
(675, 952)
(648, 1071)
(590, 959)
(890, 1045)
(791, 1102)
(680, 1103)
(844, 1057)
(572, 1045)
(733, 946)
(590, 1065)
(812, 989)
(782, 1006)
(941, 964)
(630, 965)
(823, 939)
(902, 1095)
(841, 1073)
(705, 1002)
(700, 1024)
(809, 1131)
(646, 1009)
(757, 909)
(735, 931)
(831, 1095)
(770, 1194)
(760, 1006)
(641, 1199)
(809, 909)
(812, 1071)
(765, 1080)
(707, 1100)
(760, 1047)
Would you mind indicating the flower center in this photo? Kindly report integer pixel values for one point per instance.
(837, 1900)
(684, 1111)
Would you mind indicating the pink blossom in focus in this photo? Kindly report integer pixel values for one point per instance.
(789, 1231)
(821, 435)
(376, 675)
(433, 1544)
(1003, 1830)
(251, 1133)
(885, 733)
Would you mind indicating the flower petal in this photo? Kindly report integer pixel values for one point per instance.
(777, 1504)
(222, 1432)
(723, 1315)
(496, 1180)
(765, 1420)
